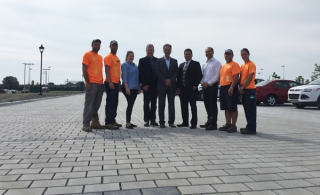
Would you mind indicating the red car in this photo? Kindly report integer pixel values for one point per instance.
(274, 91)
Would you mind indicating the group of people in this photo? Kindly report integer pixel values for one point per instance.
(161, 79)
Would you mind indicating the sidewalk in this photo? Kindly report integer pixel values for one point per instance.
(44, 151)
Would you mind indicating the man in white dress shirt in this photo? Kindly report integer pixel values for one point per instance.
(209, 82)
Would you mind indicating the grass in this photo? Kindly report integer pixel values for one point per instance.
(27, 96)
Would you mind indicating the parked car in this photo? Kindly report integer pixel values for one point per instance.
(274, 91)
(305, 95)
(5, 91)
(13, 91)
(200, 94)
(24, 90)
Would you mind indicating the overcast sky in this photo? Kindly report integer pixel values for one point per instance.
(276, 32)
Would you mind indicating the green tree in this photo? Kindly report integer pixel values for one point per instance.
(307, 82)
(32, 82)
(10, 82)
(316, 72)
(50, 84)
(299, 79)
(275, 76)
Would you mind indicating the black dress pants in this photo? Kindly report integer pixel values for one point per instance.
(162, 104)
(130, 99)
(188, 95)
(150, 104)
(210, 103)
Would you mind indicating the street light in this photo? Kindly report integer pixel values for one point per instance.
(41, 48)
(262, 72)
(46, 69)
(49, 73)
(283, 71)
(24, 77)
(30, 79)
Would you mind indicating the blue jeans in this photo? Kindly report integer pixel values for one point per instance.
(112, 103)
(250, 108)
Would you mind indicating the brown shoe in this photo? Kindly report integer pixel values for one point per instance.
(232, 129)
(95, 124)
(86, 129)
(224, 127)
(111, 126)
(117, 124)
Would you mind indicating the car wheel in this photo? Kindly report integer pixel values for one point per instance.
(270, 100)
(318, 103)
(200, 96)
(300, 105)
(240, 99)
(258, 103)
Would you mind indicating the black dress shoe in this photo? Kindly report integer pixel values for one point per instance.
(146, 124)
(193, 127)
(183, 125)
(154, 124)
(162, 126)
(172, 125)
(205, 125)
(129, 127)
(132, 125)
(247, 132)
(211, 128)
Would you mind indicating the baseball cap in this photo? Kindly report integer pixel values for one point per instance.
(95, 40)
(229, 51)
(113, 42)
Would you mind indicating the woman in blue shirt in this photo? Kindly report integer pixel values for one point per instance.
(130, 89)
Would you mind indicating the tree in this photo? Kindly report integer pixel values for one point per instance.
(316, 72)
(275, 76)
(307, 82)
(50, 84)
(32, 82)
(10, 82)
(299, 79)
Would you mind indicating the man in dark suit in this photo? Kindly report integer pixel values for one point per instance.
(189, 77)
(167, 72)
(148, 80)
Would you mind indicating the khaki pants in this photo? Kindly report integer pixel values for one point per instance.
(92, 103)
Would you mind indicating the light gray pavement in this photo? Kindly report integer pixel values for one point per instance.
(43, 151)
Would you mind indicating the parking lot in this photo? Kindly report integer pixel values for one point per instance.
(44, 151)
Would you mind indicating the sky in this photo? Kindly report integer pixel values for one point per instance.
(277, 33)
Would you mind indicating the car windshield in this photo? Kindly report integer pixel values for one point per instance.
(315, 82)
(263, 83)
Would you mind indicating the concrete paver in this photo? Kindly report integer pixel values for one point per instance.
(43, 151)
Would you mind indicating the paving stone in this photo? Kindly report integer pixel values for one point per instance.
(191, 168)
(31, 191)
(23, 171)
(153, 176)
(138, 185)
(315, 190)
(235, 187)
(294, 192)
(118, 179)
(162, 170)
(101, 173)
(196, 189)
(172, 182)
(64, 190)
(315, 181)
(9, 178)
(296, 175)
(294, 183)
(145, 165)
(182, 175)
(57, 170)
(69, 175)
(265, 185)
(84, 181)
(172, 164)
(235, 179)
(14, 184)
(124, 192)
(269, 192)
(266, 177)
(161, 191)
(49, 183)
(88, 168)
(132, 171)
(268, 170)
(102, 187)
(211, 173)
(204, 180)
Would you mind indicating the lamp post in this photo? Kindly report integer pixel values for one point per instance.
(46, 69)
(49, 73)
(24, 77)
(262, 72)
(41, 48)
(283, 71)
(30, 79)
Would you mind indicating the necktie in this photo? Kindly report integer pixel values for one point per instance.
(184, 73)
